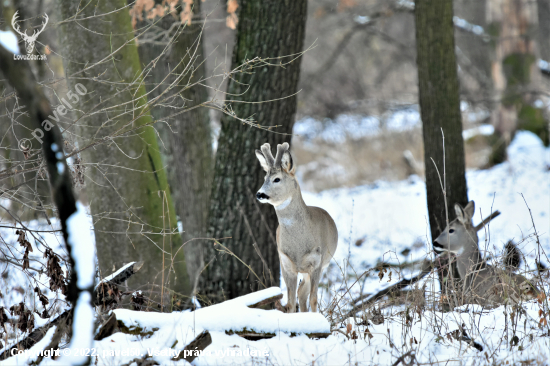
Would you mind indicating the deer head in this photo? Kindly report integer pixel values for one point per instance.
(459, 232)
(29, 40)
(280, 182)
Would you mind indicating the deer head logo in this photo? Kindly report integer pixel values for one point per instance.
(29, 40)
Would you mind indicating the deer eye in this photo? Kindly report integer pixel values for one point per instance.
(452, 231)
(277, 180)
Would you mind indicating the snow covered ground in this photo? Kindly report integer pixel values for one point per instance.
(389, 221)
(392, 217)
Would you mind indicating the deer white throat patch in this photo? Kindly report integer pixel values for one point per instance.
(284, 205)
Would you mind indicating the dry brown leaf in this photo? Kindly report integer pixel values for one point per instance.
(320, 13)
(231, 21)
(346, 4)
(187, 13)
(232, 6)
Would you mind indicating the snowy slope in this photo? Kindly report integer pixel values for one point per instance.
(393, 216)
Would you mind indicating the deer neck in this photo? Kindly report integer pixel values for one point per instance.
(291, 209)
(470, 258)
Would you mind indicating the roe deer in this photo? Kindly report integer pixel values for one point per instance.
(482, 284)
(306, 237)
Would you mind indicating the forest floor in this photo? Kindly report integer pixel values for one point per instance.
(379, 223)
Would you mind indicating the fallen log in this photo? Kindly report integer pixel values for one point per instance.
(35, 336)
(107, 329)
(267, 301)
(256, 336)
(122, 274)
(426, 268)
(486, 220)
(192, 350)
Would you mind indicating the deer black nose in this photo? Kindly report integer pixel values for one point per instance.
(261, 196)
(438, 248)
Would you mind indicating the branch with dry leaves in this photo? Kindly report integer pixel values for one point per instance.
(65, 318)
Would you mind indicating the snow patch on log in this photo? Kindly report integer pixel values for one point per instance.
(232, 315)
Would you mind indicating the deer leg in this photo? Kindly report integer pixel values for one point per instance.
(303, 292)
(290, 280)
(315, 276)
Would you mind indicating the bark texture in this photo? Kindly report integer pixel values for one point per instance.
(187, 141)
(265, 29)
(440, 109)
(126, 183)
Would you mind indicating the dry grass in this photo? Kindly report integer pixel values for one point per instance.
(325, 165)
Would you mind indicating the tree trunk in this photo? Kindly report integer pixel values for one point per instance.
(544, 29)
(440, 111)
(188, 139)
(515, 73)
(126, 182)
(265, 29)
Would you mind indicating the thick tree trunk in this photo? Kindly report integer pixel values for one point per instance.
(188, 139)
(126, 182)
(515, 73)
(440, 111)
(265, 29)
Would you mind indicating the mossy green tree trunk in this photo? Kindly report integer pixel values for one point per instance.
(265, 29)
(187, 138)
(515, 73)
(438, 91)
(126, 183)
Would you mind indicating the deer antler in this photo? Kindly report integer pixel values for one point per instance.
(16, 26)
(266, 150)
(36, 33)
(281, 148)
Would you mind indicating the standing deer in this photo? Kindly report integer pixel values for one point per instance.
(482, 284)
(306, 237)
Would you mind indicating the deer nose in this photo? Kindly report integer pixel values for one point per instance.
(438, 248)
(260, 196)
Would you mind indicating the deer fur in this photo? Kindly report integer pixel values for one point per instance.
(482, 284)
(306, 236)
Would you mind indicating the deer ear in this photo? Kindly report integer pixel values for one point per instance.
(460, 214)
(469, 210)
(262, 159)
(287, 163)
